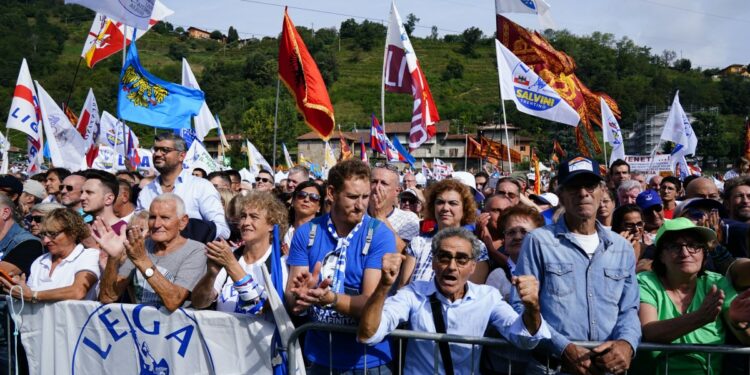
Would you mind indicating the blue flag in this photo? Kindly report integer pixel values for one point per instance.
(188, 135)
(149, 100)
(403, 155)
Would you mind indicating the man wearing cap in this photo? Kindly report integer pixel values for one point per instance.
(33, 193)
(653, 212)
(411, 200)
(547, 203)
(11, 187)
(587, 284)
(467, 179)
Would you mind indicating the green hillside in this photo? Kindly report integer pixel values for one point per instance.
(239, 77)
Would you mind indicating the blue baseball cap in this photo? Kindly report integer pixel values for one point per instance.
(578, 166)
(648, 199)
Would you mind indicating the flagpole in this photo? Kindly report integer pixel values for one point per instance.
(507, 140)
(466, 148)
(275, 124)
(73, 84)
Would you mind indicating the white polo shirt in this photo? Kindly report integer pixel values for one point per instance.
(81, 259)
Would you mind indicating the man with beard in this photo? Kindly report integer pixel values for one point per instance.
(344, 251)
(737, 198)
(201, 199)
(585, 271)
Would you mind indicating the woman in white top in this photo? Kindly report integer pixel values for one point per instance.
(515, 223)
(307, 203)
(234, 279)
(68, 271)
(451, 204)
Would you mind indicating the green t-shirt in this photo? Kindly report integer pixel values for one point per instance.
(653, 293)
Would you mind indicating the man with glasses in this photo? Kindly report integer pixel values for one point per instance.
(510, 189)
(410, 200)
(670, 189)
(201, 199)
(264, 181)
(335, 265)
(18, 247)
(11, 187)
(469, 308)
(586, 271)
(71, 188)
(410, 181)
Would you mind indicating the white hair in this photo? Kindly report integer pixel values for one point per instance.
(172, 197)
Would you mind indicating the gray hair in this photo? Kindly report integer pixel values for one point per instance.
(299, 169)
(45, 208)
(628, 185)
(5, 201)
(172, 197)
(179, 143)
(463, 233)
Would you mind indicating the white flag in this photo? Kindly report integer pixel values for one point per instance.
(23, 109)
(677, 129)
(136, 13)
(538, 7)
(256, 160)
(329, 159)
(205, 121)
(612, 133)
(4, 147)
(198, 157)
(531, 94)
(287, 157)
(112, 133)
(66, 146)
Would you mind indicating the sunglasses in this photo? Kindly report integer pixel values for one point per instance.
(262, 179)
(50, 235)
(445, 258)
(409, 201)
(67, 188)
(387, 166)
(37, 219)
(301, 195)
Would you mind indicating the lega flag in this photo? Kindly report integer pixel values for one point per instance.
(612, 133)
(113, 133)
(403, 74)
(198, 157)
(25, 116)
(538, 7)
(106, 35)
(135, 13)
(204, 121)
(677, 129)
(88, 127)
(66, 146)
(529, 92)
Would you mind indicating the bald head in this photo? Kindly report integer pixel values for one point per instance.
(702, 187)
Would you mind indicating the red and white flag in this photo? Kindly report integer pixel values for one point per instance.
(88, 127)
(106, 35)
(403, 74)
(25, 116)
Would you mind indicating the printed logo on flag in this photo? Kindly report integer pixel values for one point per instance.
(615, 131)
(530, 4)
(112, 138)
(537, 96)
(138, 330)
(140, 9)
(140, 91)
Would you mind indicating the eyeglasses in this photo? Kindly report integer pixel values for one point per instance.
(264, 180)
(445, 258)
(633, 226)
(163, 150)
(314, 197)
(37, 219)
(676, 248)
(507, 194)
(409, 201)
(67, 188)
(387, 166)
(50, 235)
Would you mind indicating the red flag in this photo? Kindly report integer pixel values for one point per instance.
(474, 148)
(402, 73)
(557, 149)
(583, 149)
(300, 74)
(345, 152)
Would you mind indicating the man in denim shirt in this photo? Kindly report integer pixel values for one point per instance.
(588, 289)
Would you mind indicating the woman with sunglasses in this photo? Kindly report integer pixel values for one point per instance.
(683, 303)
(37, 214)
(451, 205)
(307, 203)
(68, 271)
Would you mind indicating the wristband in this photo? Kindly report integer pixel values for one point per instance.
(243, 280)
(34, 296)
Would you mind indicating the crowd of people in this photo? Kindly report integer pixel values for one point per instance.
(616, 258)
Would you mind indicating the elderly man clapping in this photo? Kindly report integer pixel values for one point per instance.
(468, 307)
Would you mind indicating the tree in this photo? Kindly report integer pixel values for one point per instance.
(434, 33)
(177, 51)
(682, 65)
(232, 35)
(454, 70)
(348, 28)
(217, 35)
(411, 23)
(469, 40)
(179, 29)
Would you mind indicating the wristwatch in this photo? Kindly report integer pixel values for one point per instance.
(149, 271)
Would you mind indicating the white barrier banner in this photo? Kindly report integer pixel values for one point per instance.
(84, 337)
(643, 163)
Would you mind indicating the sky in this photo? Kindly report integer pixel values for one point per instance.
(712, 34)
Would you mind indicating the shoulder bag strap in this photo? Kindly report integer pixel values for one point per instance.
(437, 317)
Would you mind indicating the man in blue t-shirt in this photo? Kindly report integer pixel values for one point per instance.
(335, 265)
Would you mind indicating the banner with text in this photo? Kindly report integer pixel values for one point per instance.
(648, 164)
(75, 337)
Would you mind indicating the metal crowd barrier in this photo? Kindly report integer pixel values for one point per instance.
(486, 341)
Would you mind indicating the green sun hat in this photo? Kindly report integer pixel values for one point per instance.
(683, 224)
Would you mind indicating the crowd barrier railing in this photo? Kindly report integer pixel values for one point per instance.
(478, 342)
